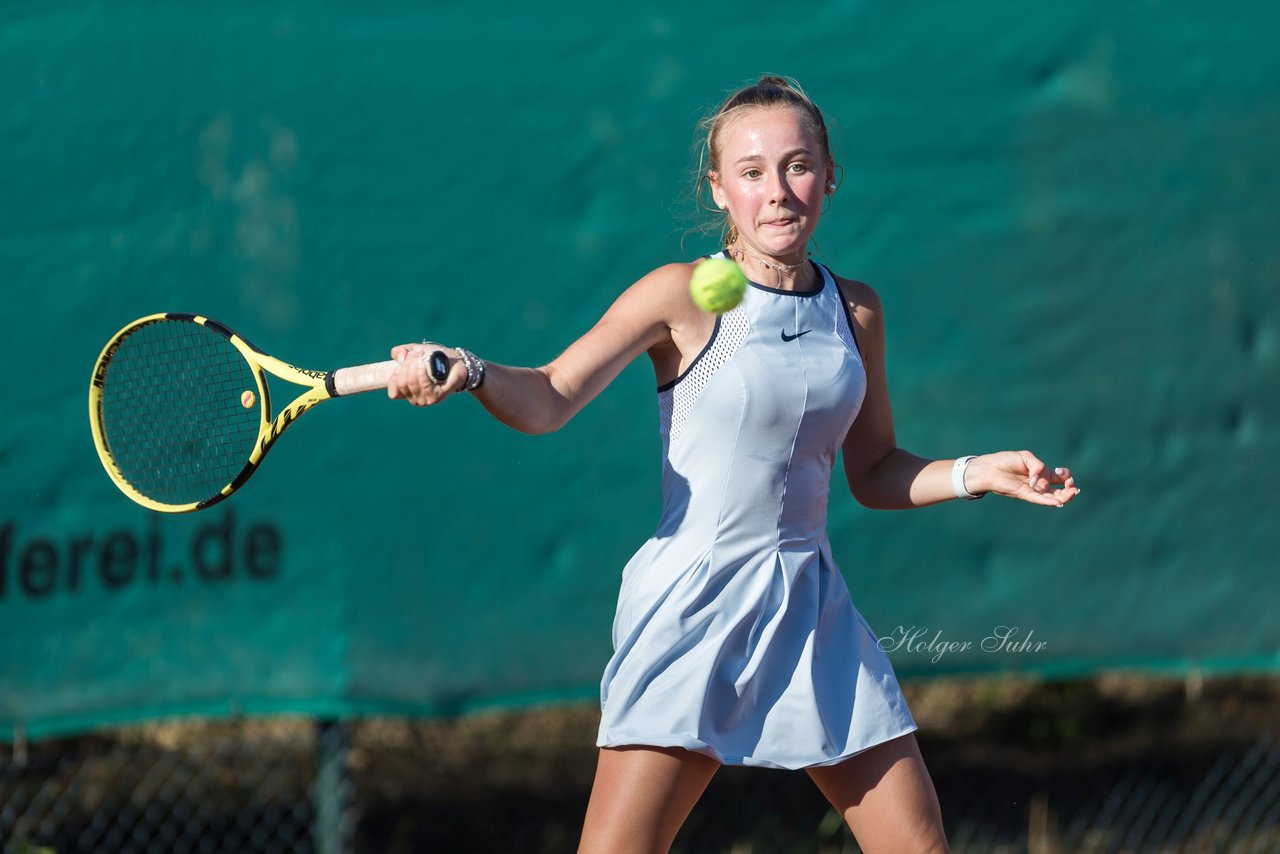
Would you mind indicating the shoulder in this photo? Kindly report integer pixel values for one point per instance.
(662, 293)
(665, 282)
(670, 276)
(865, 307)
(657, 308)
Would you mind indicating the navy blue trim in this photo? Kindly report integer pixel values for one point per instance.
(848, 318)
(216, 326)
(266, 393)
(236, 483)
(210, 323)
(209, 502)
(812, 293)
(715, 330)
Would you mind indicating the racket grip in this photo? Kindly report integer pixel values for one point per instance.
(361, 378)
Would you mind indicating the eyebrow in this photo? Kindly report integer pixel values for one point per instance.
(786, 156)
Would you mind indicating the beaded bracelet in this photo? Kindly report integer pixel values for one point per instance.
(475, 369)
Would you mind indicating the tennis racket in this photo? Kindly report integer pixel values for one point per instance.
(181, 411)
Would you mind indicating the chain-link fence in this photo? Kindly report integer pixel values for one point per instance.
(1226, 802)
(170, 787)
(1048, 769)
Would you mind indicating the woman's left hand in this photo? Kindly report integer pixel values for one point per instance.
(1021, 474)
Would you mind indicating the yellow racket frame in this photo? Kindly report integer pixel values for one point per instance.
(319, 386)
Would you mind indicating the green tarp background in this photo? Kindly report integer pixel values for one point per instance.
(1069, 211)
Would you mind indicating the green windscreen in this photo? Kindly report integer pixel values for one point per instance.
(1068, 211)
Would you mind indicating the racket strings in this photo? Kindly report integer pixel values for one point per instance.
(172, 411)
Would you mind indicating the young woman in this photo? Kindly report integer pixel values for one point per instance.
(735, 640)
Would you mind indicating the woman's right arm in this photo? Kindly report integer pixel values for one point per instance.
(540, 400)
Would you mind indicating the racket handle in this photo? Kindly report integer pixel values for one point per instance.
(361, 378)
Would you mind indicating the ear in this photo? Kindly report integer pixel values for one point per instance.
(717, 191)
(830, 186)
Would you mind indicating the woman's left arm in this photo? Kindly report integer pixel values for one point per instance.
(883, 476)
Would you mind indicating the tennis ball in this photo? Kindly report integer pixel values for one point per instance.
(717, 285)
(247, 399)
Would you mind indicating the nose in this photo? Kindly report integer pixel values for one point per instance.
(778, 189)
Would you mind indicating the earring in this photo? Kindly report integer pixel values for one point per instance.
(831, 187)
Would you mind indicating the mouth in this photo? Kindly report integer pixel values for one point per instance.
(779, 223)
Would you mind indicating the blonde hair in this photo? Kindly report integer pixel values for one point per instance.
(769, 91)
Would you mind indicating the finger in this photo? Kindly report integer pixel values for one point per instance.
(457, 379)
(1063, 476)
(397, 387)
(419, 383)
(1034, 467)
(431, 388)
(403, 352)
(400, 352)
(394, 389)
(1046, 480)
(451, 385)
(431, 391)
(1047, 499)
(415, 383)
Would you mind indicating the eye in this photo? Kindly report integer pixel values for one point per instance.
(751, 173)
(799, 168)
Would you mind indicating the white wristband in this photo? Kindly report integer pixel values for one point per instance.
(957, 479)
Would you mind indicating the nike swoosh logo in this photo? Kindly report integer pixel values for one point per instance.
(786, 337)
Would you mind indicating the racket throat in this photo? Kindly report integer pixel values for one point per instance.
(279, 425)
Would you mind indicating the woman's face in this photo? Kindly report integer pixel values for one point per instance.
(772, 178)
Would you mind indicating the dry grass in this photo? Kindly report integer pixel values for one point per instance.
(1018, 764)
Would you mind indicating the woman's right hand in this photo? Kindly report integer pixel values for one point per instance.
(412, 379)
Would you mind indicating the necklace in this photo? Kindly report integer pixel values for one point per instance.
(739, 250)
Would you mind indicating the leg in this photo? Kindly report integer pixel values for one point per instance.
(641, 796)
(887, 798)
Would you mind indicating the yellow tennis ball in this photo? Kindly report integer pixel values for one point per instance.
(717, 285)
(247, 399)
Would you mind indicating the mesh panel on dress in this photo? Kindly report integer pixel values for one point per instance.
(675, 403)
(842, 318)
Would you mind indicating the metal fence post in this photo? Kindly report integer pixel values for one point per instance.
(334, 818)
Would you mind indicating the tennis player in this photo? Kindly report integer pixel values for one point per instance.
(735, 640)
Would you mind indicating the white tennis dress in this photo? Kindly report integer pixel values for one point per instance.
(735, 635)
